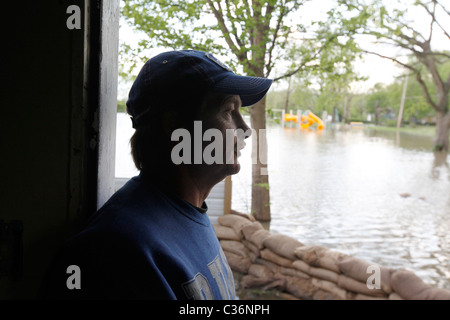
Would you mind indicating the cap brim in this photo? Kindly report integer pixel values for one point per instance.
(250, 89)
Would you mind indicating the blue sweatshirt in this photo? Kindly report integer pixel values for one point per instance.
(143, 244)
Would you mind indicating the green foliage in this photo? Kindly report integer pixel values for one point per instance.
(253, 32)
(387, 98)
(121, 106)
(262, 185)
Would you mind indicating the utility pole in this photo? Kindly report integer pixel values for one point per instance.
(402, 103)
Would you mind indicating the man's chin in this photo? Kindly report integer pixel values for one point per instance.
(232, 168)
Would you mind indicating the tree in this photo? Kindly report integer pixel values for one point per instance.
(389, 25)
(257, 33)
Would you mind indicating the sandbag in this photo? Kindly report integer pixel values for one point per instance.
(272, 266)
(282, 245)
(309, 253)
(250, 246)
(355, 286)
(273, 257)
(225, 233)
(257, 237)
(357, 269)
(318, 256)
(234, 221)
(360, 296)
(244, 215)
(395, 296)
(260, 271)
(238, 263)
(229, 220)
(324, 274)
(301, 265)
(250, 281)
(320, 273)
(234, 247)
(409, 286)
(320, 294)
(253, 256)
(249, 229)
(293, 272)
(300, 288)
(330, 287)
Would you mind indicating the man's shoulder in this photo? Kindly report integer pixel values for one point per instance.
(134, 196)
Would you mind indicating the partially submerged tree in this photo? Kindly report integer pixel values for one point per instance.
(256, 33)
(388, 24)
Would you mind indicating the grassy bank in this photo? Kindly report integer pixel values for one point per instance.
(417, 130)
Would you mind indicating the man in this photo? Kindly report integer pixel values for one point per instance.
(153, 238)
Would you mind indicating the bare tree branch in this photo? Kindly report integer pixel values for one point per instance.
(427, 93)
(392, 59)
(218, 13)
(433, 17)
(274, 41)
(415, 71)
(443, 8)
(305, 62)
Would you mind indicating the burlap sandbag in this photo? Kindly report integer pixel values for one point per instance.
(320, 273)
(282, 245)
(272, 256)
(300, 288)
(269, 264)
(395, 296)
(409, 286)
(320, 294)
(250, 281)
(253, 256)
(357, 269)
(355, 286)
(237, 262)
(324, 274)
(360, 296)
(318, 256)
(225, 233)
(234, 221)
(249, 229)
(246, 216)
(293, 272)
(330, 287)
(234, 247)
(260, 271)
(301, 265)
(256, 236)
(250, 246)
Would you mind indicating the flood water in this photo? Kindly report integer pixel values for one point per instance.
(376, 195)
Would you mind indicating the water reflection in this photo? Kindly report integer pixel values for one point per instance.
(440, 164)
(372, 194)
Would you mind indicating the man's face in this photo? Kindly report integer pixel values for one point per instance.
(221, 113)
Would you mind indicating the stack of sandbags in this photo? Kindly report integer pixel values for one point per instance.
(230, 237)
(276, 261)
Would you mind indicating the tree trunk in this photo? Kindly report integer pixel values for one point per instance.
(260, 176)
(288, 93)
(441, 139)
(377, 111)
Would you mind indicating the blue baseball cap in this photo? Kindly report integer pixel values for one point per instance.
(180, 78)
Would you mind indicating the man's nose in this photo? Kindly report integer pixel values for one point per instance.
(243, 125)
